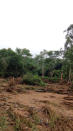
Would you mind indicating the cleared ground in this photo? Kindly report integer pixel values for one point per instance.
(28, 108)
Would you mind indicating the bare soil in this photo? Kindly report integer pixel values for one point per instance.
(26, 109)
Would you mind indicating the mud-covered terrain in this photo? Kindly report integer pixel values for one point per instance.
(31, 108)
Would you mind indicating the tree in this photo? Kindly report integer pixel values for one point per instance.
(23, 52)
(69, 37)
(40, 62)
(15, 66)
(68, 53)
(5, 54)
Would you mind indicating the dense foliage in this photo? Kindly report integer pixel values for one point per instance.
(20, 62)
(54, 65)
(32, 80)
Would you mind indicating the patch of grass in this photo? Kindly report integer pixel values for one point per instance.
(34, 116)
(28, 122)
(31, 124)
(21, 122)
(15, 119)
(52, 117)
(11, 113)
(34, 128)
(36, 119)
(3, 123)
(17, 124)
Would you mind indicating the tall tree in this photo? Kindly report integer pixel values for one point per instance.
(69, 48)
(23, 52)
(69, 37)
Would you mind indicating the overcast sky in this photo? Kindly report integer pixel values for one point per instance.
(34, 24)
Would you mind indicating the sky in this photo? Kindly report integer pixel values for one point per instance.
(34, 24)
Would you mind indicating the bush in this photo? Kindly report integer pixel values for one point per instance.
(32, 80)
(45, 79)
(54, 79)
(51, 79)
(71, 85)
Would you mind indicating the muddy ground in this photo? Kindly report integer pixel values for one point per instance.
(31, 108)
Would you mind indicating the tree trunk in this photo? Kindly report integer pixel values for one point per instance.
(43, 69)
(61, 76)
(69, 80)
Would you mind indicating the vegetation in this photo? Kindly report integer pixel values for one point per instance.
(3, 123)
(32, 80)
(21, 73)
(54, 65)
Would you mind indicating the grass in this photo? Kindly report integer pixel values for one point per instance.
(17, 124)
(3, 123)
(21, 122)
(33, 120)
(53, 119)
(52, 116)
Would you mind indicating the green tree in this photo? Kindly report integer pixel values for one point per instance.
(23, 52)
(15, 66)
(68, 53)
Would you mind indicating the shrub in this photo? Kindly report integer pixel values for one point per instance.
(45, 79)
(51, 79)
(71, 85)
(54, 79)
(31, 79)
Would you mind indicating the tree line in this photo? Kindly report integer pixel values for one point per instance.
(53, 65)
